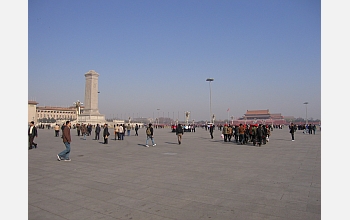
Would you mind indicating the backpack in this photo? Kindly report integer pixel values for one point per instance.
(148, 131)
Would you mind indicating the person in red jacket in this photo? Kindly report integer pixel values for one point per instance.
(66, 140)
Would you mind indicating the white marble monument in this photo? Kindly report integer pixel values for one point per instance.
(91, 114)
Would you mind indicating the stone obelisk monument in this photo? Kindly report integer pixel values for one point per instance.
(91, 114)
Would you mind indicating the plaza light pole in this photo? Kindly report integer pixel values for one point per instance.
(210, 80)
(158, 117)
(305, 103)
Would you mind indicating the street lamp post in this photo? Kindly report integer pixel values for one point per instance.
(305, 103)
(158, 117)
(210, 80)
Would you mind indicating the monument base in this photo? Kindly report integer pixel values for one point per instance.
(91, 119)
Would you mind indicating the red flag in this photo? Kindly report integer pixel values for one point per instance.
(228, 109)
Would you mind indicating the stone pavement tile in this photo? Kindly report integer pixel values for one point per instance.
(69, 187)
(175, 213)
(125, 191)
(284, 212)
(160, 191)
(313, 208)
(43, 215)
(118, 211)
(97, 205)
(37, 196)
(127, 201)
(259, 195)
(33, 208)
(279, 187)
(97, 194)
(65, 195)
(295, 205)
(128, 214)
(208, 200)
(314, 195)
(99, 186)
(300, 215)
(195, 205)
(39, 187)
(34, 177)
(294, 196)
(246, 215)
(122, 184)
(55, 206)
(173, 202)
(86, 214)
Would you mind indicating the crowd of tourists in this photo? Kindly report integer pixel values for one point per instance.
(256, 134)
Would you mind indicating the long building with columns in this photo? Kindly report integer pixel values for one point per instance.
(38, 113)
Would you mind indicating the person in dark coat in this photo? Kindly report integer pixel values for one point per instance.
(179, 133)
(259, 135)
(211, 130)
(32, 133)
(292, 130)
(105, 134)
(97, 132)
(136, 130)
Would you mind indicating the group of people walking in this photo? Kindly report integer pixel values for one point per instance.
(244, 134)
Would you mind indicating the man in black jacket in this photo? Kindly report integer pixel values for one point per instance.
(32, 133)
(179, 132)
(105, 134)
(211, 130)
(97, 132)
(259, 134)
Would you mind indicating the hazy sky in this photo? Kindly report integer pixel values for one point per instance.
(262, 54)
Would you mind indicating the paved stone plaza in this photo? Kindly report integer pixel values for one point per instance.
(202, 178)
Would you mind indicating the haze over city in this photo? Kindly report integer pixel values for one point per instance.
(154, 57)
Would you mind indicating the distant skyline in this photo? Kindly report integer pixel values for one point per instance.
(158, 54)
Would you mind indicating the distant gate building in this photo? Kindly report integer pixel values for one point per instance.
(262, 116)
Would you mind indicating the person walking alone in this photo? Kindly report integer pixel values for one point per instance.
(83, 130)
(211, 130)
(149, 133)
(57, 130)
(66, 140)
(136, 130)
(121, 132)
(97, 132)
(292, 130)
(32, 133)
(179, 133)
(105, 134)
(78, 129)
(128, 128)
